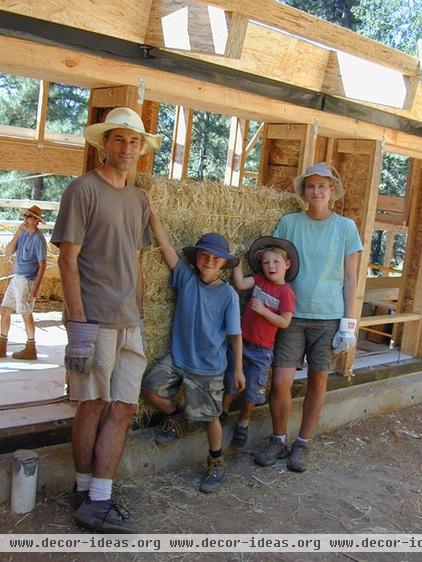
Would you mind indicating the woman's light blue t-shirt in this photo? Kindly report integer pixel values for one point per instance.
(204, 316)
(322, 247)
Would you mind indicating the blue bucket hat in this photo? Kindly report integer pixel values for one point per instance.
(214, 244)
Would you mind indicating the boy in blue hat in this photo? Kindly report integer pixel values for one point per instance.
(207, 311)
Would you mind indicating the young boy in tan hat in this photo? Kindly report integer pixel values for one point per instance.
(274, 263)
(207, 311)
(31, 261)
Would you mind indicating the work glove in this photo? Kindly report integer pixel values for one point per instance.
(80, 351)
(344, 338)
(143, 336)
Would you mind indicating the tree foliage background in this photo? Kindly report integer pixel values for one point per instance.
(397, 23)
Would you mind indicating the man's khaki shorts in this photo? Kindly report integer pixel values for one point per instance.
(17, 295)
(118, 368)
(203, 394)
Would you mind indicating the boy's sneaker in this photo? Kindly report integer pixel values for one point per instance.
(78, 498)
(275, 449)
(215, 474)
(296, 460)
(240, 436)
(171, 428)
(104, 517)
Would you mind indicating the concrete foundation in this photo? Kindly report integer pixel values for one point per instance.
(142, 456)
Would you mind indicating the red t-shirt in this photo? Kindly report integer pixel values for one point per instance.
(277, 298)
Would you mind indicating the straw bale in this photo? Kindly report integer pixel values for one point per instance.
(189, 209)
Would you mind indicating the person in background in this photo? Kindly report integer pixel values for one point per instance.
(30, 265)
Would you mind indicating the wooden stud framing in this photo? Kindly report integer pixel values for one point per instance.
(180, 149)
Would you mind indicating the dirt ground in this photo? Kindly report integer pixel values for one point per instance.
(363, 478)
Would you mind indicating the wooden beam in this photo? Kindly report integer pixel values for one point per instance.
(237, 33)
(251, 144)
(355, 146)
(389, 319)
(307, 147)
(310, 27)
(181, 143)
(27, 58)
(116, 18)
(25, 203)
(390, 203)
(31, 156)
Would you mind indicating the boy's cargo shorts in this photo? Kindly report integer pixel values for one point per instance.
(203, 393)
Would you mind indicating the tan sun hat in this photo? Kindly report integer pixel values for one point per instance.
(35, 212)
(325, 170)
(121, 118)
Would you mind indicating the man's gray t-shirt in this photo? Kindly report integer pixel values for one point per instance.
(110, 225)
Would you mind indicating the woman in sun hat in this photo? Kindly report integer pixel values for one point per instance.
(323, 324)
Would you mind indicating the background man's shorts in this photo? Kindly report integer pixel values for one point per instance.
(17, 294)
(305, 337)
(256, 368)
(203, 393)
(118, 368)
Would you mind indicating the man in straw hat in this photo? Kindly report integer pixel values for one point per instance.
(31, 260)
(323, 324)
(101, 229)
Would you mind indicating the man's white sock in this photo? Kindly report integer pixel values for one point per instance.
(282, 438)
(100, 489)
(83, 481)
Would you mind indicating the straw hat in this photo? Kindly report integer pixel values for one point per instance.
(121, 118)
(214, 244)
(265, 242)
(326, 171)
(35, 212)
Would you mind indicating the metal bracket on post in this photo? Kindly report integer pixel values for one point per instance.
(315, 128)
(141, 91)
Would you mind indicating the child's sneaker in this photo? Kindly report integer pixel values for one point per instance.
(296, 460)
(274, 450)
(171, 428)
(215, 474)
(240, 436)
(78, 498)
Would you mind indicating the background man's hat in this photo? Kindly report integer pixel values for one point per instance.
(326, 171)
(214, 244)
(35, 212)
(121, 118)
(265, 242)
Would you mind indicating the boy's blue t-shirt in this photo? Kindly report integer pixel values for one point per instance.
(204, 316)
(322, 247)
(31, 248)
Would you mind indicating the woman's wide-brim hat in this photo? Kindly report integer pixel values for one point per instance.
(35, 212)
(121, 118)
(266, 242)
(216, 245)
(325, 170)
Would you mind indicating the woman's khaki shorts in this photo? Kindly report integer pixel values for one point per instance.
(203, 394)
(305, 337)
(17, 294)
(119, 365)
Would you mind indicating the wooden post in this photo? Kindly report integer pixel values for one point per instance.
(180, 149)
(411, 294)
(360, 169)
(236, 151)
(42, 110)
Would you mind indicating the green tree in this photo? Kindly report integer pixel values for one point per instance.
(335, 11)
